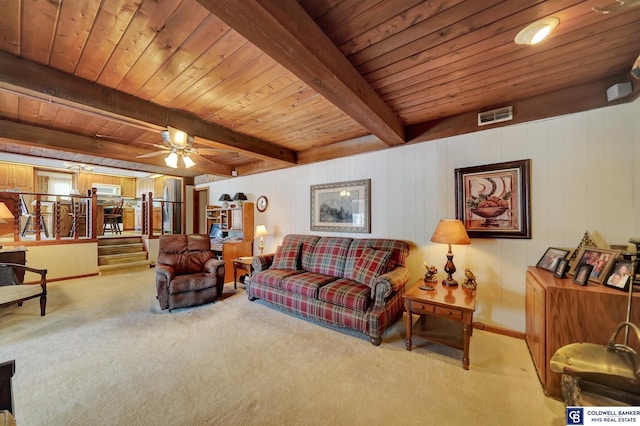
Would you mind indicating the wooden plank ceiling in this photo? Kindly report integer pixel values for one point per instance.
(268, 84)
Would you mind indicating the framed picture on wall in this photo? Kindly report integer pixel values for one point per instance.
(599, 259)
(493, 200)
(341, 206)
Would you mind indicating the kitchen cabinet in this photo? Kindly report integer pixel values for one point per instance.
(128, 219)
(128, 187)
(157, 186)
(157, 219)
(16, 176)
(144, 186)
(560, 312)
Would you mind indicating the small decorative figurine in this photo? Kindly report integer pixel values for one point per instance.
(430, 275)
(470, 281)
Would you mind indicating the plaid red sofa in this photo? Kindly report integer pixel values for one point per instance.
(352, 283)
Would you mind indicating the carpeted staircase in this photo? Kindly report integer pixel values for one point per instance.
(122, 254)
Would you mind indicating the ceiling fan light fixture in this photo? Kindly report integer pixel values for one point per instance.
(172, 160)
(537, 31)
(178, 137)
(188, 162)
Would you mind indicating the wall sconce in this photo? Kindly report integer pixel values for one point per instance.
(450, 231)
(261, 231)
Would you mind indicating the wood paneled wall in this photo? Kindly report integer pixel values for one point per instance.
(582, 179)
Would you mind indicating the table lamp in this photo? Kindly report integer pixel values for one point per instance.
(450, 231)
(5, 215)
(240, 198)
(261, 231)
(226, 198)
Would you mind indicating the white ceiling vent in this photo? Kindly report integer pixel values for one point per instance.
(495, 116)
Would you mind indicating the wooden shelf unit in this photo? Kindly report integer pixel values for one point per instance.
(232, 219)
(560, 312)
(239, 222)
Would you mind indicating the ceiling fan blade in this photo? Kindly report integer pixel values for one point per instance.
(152, 154)
(201, 159)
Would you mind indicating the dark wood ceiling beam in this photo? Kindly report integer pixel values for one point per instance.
(284, 31)
(346, 148)
(54, 139)
(259, 166)
(30, 79)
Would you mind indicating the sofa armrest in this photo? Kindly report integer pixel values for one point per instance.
(262, 262)
(212, 265)
(389, 283)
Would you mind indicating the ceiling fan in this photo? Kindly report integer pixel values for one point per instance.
(179, 146)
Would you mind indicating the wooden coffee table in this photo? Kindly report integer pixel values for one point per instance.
(446, 316)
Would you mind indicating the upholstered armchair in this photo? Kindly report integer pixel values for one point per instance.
(187, 272)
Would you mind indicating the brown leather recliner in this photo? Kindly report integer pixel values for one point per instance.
(187, 272)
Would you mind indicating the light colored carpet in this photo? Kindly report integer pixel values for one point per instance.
(106, 355)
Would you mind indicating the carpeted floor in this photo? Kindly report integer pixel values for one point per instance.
(106, 355)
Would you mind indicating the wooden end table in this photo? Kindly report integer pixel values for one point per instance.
(243, 263)
(446, 316)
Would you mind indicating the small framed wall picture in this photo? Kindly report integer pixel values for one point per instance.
(550, 258)
(561, 268)
(582, 274)
(620, 275)
(262, 203)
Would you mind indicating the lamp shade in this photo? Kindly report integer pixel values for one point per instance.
(224, 197)
(239, 196)
(5, 213)
(450, 231)
(261, 231)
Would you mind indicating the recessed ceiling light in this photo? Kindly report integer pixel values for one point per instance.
(537, 31)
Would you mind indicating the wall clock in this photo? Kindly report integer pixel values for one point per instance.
(262, 203)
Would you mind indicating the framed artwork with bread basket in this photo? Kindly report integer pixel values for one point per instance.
(492, 200)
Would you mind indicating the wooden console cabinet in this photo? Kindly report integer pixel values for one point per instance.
(560, 312)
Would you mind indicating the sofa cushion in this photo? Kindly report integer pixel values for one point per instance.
(306, 283)
(399, 251)
(329, 256)
(371, 263)
(272, 277)
(308, 244)
(287, 256)
(13, 293)
(346, 293)
(191, 282)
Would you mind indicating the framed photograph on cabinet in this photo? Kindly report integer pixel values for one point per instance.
(493, 200)
(549, 259)
(561, 268)
(599, 259)
(582, 274)
(620, 275)
(341, 206)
